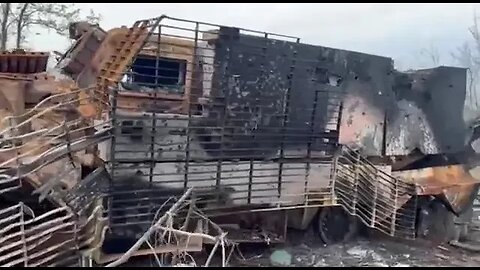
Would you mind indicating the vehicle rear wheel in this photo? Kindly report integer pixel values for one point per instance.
(335, 225)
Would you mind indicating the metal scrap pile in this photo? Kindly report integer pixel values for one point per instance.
(48, 156)
(52, 178)
(43, 158)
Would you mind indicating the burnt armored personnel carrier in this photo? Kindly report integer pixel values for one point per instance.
(262, 123)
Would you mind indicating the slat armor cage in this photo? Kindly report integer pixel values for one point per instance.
(248, 118)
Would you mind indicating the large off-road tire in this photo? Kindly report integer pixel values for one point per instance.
(334, 225)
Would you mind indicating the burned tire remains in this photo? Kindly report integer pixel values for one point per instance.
(334, 225)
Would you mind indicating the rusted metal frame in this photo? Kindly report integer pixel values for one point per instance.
(118, 57)
(44, 235)
(125, 48)
(359, 206)
(55, 154)
(22, 229)
(224, 121)
(162, 198)
(212, 192)
(384, 139)
(368, 179)
(353, 192)
(154, 118)
(251, 163)
(218, 211)
(114, 106)
(35, 116)
(17, 155)
(339, 119)
(250, 181)
(46, 143)
(217, 25)
(189, 106)
(113, 119)
(69, 147)
(361, 190)
(333, 177)
(414, 219)
(394, 214)
(45, 131)
(308, 159)
(5, 179)
(43, 225)
(45, 215)
(284, 122)
(375, 195)
(50, 142)
(383, 227)
(40, 133)
(53, 256)
(370, 168)
(317, 135)
(76, 237)
(55, 248)
(23, 62)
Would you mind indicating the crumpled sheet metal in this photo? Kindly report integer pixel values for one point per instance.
(428, 114)
(32, 137)
(43, 145)
(454, 182)
(422, 110)
(78, 56)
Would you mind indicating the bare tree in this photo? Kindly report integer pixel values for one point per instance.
(468, 56)
(432, 53)
(5, 8)
(24, 16)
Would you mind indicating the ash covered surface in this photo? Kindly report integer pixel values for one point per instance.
(304, 249)
(376, 250)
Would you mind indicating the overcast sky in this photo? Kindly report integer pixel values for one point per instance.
(399, 31)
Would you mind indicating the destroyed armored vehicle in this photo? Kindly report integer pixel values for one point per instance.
(269, 132)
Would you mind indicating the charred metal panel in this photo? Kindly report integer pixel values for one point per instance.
(368, 98)
(251, 76)
(429, 112)
(88, 190)
(285, 91)
(305, 84)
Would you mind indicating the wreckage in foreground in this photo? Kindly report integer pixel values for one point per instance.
(270, 133)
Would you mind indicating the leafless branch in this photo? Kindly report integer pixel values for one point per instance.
(468, 56)
(6, 10)
(209, 259)
(51, 16)
(168, 235)
(149, 232)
